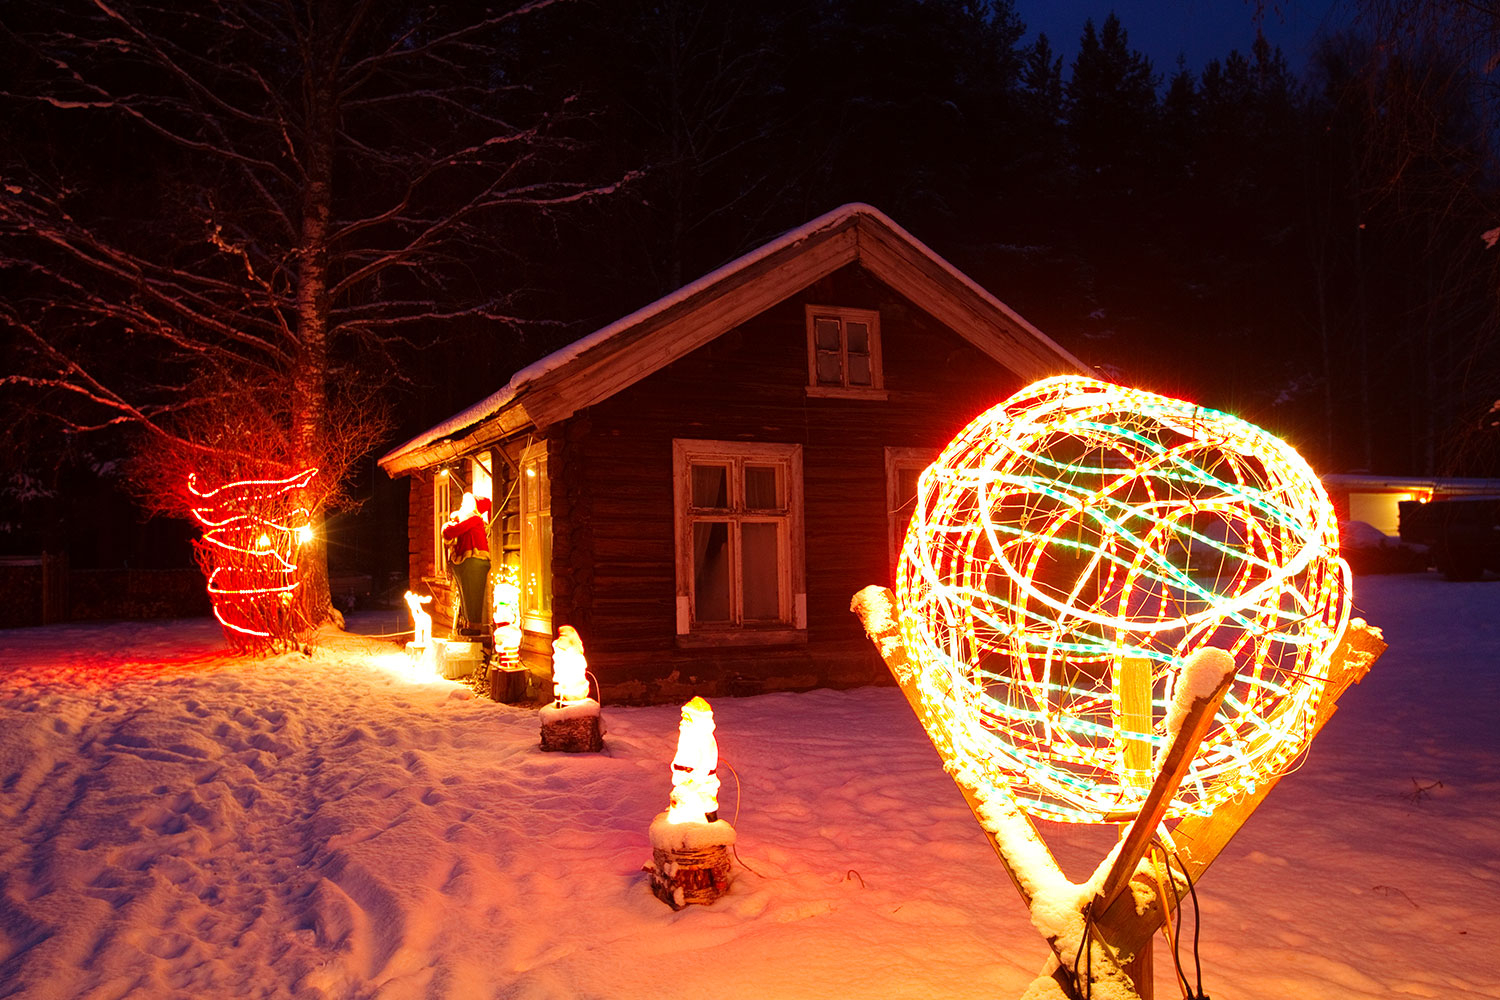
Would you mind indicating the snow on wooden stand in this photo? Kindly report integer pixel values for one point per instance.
(1122, 905)
(572, 723)
(1116, 607)
(690, 845)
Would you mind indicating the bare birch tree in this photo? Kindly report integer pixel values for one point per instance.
(221, 223)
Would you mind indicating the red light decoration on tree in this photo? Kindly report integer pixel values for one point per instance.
(251, 532)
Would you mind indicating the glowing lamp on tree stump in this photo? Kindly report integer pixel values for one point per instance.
(572, 722)
(690, 845)
(1114, 606)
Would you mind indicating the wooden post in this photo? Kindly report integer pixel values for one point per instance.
(1133, 720)
(1175, 764)
(54, 587)
(1200, 839)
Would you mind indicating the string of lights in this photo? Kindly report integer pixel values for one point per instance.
(1071, 548)
(252, 530)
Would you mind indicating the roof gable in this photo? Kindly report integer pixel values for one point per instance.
(610, 359)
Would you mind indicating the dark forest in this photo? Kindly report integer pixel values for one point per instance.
(1310, 249)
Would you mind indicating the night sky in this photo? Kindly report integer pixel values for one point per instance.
(1200, 30)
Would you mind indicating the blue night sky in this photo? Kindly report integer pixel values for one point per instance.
(1198, 29)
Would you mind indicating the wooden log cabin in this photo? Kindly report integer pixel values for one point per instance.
(700, 487)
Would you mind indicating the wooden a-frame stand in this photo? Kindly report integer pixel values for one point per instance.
(1130, 905)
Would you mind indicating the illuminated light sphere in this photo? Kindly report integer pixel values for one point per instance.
(1070, 549)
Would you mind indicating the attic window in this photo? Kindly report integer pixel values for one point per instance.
(843, 353)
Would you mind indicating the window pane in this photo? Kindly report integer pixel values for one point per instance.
(544, 485)
(529, 486)
(711, 571)
(761, 488)
(761, 580)
(830, 371)
(906, 487)
(536, 564)
(859, 338)
(710, 486)
(479, 475)
(859, 369)
(826, 333)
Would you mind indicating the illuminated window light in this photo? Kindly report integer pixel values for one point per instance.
(1070, 549)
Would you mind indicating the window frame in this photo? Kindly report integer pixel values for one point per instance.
(898, 519)
(442, 506)
(845, 314)
(791, 623)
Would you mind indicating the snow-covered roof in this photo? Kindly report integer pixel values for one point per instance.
(1447, 485)
(868, 233)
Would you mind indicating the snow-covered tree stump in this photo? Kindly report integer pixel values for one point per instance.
(690, 862)
(575, 728)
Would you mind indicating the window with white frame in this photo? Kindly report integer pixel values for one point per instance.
(445, 498)
(536, 540)
(903, 467)
(843, 352)
(739, 540)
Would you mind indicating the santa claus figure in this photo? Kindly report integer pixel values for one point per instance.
(695, 769)
(467, 535)
(570, 682)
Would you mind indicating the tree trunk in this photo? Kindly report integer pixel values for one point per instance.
(310, 376)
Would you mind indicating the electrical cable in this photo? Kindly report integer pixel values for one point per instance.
(1198, 993)
(1170, 926)
(735, 848)
(1197, 925)
(1085, 987)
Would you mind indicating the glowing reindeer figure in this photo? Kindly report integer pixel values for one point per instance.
(421, 620)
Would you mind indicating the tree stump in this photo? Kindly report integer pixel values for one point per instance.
(508, 684)
(690, 862)
(576, 728)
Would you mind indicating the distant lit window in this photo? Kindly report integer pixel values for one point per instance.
(843, 352)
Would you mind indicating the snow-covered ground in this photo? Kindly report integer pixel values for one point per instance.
(175, 822)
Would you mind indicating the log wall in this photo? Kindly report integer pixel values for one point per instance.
(611, 466)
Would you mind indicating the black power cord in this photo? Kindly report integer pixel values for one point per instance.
(1190, 992)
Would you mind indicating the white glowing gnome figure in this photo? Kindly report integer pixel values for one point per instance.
(570, 683)
(695, 769)
(507, 602)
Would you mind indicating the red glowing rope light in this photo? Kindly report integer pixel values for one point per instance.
(252, 529)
